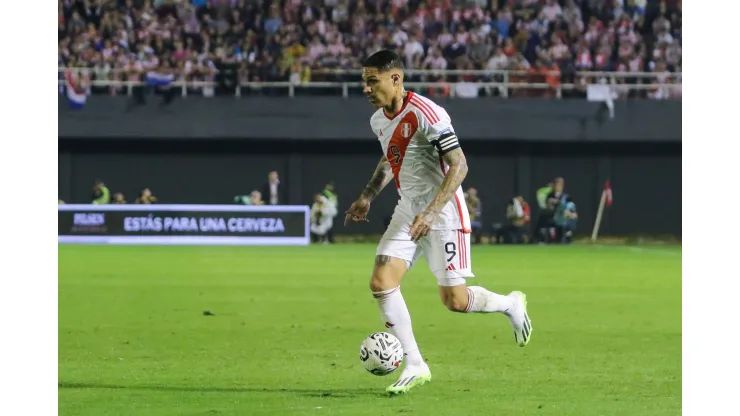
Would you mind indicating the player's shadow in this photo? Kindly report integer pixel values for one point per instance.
(328, 393)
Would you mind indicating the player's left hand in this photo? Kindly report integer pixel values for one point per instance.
(421, 225)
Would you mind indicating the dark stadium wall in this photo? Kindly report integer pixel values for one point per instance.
(646, 178)
(341, 119)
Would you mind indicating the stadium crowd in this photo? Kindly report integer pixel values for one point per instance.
(235, 42)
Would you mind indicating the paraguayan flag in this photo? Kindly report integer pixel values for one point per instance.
(157, 79)
(75, 92)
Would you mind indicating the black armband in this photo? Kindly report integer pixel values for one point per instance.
(446, 143)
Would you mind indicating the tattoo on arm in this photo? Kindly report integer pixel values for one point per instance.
(452, 181)
(380, 179)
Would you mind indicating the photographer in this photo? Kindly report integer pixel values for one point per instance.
(323, 212)
(544, 215)
(566, 218)
(331, 196)
(254, 198)
(474, 211)
(518, 218)
(546, 231)
(101, 194)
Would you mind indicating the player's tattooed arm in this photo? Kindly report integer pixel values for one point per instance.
(359, 209)
(381, 177)
(452, 181)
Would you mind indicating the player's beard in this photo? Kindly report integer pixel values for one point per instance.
(378, 102)
(382, 99)
(395, 97)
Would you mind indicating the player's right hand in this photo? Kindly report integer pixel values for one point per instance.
(358, 211)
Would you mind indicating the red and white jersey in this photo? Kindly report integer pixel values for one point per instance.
(414, 141)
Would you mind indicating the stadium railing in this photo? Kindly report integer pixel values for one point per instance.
(645, 81)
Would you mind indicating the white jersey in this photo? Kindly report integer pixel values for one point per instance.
(414, 141)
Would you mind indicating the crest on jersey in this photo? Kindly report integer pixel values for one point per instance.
(406, 130)
(380, 133)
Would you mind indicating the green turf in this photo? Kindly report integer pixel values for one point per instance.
(287, 324)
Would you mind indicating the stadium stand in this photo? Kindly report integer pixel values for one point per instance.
(219, 46)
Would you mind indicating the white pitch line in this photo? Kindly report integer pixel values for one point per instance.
(634, 249)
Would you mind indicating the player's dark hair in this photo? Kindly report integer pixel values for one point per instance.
(384, 60)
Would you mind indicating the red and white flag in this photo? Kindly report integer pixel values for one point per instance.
(608, 192)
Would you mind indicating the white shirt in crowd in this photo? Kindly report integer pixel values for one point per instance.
(412, 49)
(274, 192)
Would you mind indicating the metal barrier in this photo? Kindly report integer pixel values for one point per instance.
(655, 81)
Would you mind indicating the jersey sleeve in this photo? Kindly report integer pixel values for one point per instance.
(374, 125)
(436, 126)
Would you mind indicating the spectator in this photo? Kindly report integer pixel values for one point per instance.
(322, 218)
(502, 23)
(474, 211)
(228, 42)
(272, 189)
(434, 60)
(146, 197)
(552, 10)
(414, 52)
(551, 73)
(118, 198)
(101, 194)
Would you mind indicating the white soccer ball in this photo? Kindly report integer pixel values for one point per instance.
(381, 353)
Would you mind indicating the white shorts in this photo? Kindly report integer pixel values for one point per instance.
(446, 251)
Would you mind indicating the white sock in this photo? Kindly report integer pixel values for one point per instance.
(396, 317)
(484, 301)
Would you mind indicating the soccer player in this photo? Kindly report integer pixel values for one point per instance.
(422, 155)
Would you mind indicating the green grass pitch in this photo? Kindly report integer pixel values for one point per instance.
(287, 322)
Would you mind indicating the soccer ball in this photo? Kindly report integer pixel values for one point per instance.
(381, 353)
